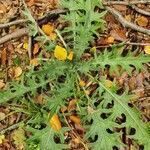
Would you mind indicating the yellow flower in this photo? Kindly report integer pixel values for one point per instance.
(108, 83)
(70, 56)
(55, 122)
(60, 53)
(47, 29)
(25, 45)
(81, 83)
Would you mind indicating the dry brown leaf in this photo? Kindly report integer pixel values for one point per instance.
(17, 72)
(36, 48)
(75, 119)
(55, 122)
(72, 105)
(34, 62)
(118, 34)
(2, 84)
(110, 40)
(3, 9)
(3, 57)
(39, 99)
(142, 21)
(120, 7)
(31, 3)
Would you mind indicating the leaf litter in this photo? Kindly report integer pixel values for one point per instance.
(14, 66)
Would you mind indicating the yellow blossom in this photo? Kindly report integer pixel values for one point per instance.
(108, 83)
(81, 83)
(70, 56)
(60, 53)
(55, 122)
(25, 45)
(47, 29)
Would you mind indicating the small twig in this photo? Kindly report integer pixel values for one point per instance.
(16, 34)
(52, 13)
(14, 126)
(30, 47)
(5, 25)
(138, 44)
(126, 2)
(125, 23)
(24, 31)
(141, 11)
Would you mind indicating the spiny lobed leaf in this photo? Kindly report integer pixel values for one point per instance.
(47, 136)
(105, 127)
(114, 60)
(84, 23)
(34, 80)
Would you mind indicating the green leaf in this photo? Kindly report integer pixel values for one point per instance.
(47, 137)
(104, 120)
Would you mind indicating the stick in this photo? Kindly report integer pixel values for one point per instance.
(12, 23)
(41, 19)
(141, 11)
(126, 3)
(18, 33)
(30, 47)
(125, 23)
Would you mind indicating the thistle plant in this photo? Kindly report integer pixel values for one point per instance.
(100, 111)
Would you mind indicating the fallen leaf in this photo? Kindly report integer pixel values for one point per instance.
(72, 105)
(75, 119)
(81, 83)
(3, 57)
(55, 122)
(39, 99)
(70, 56)
(36, 48)
(147, 49)
(31, 3)
(47, 29)
(2, 137)
(120, 7)
(2, 84)
(142, 21)
(110, 40)
(118, 34)
(17, 72)
(34, 62)
(60, 53)
(3, 9)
